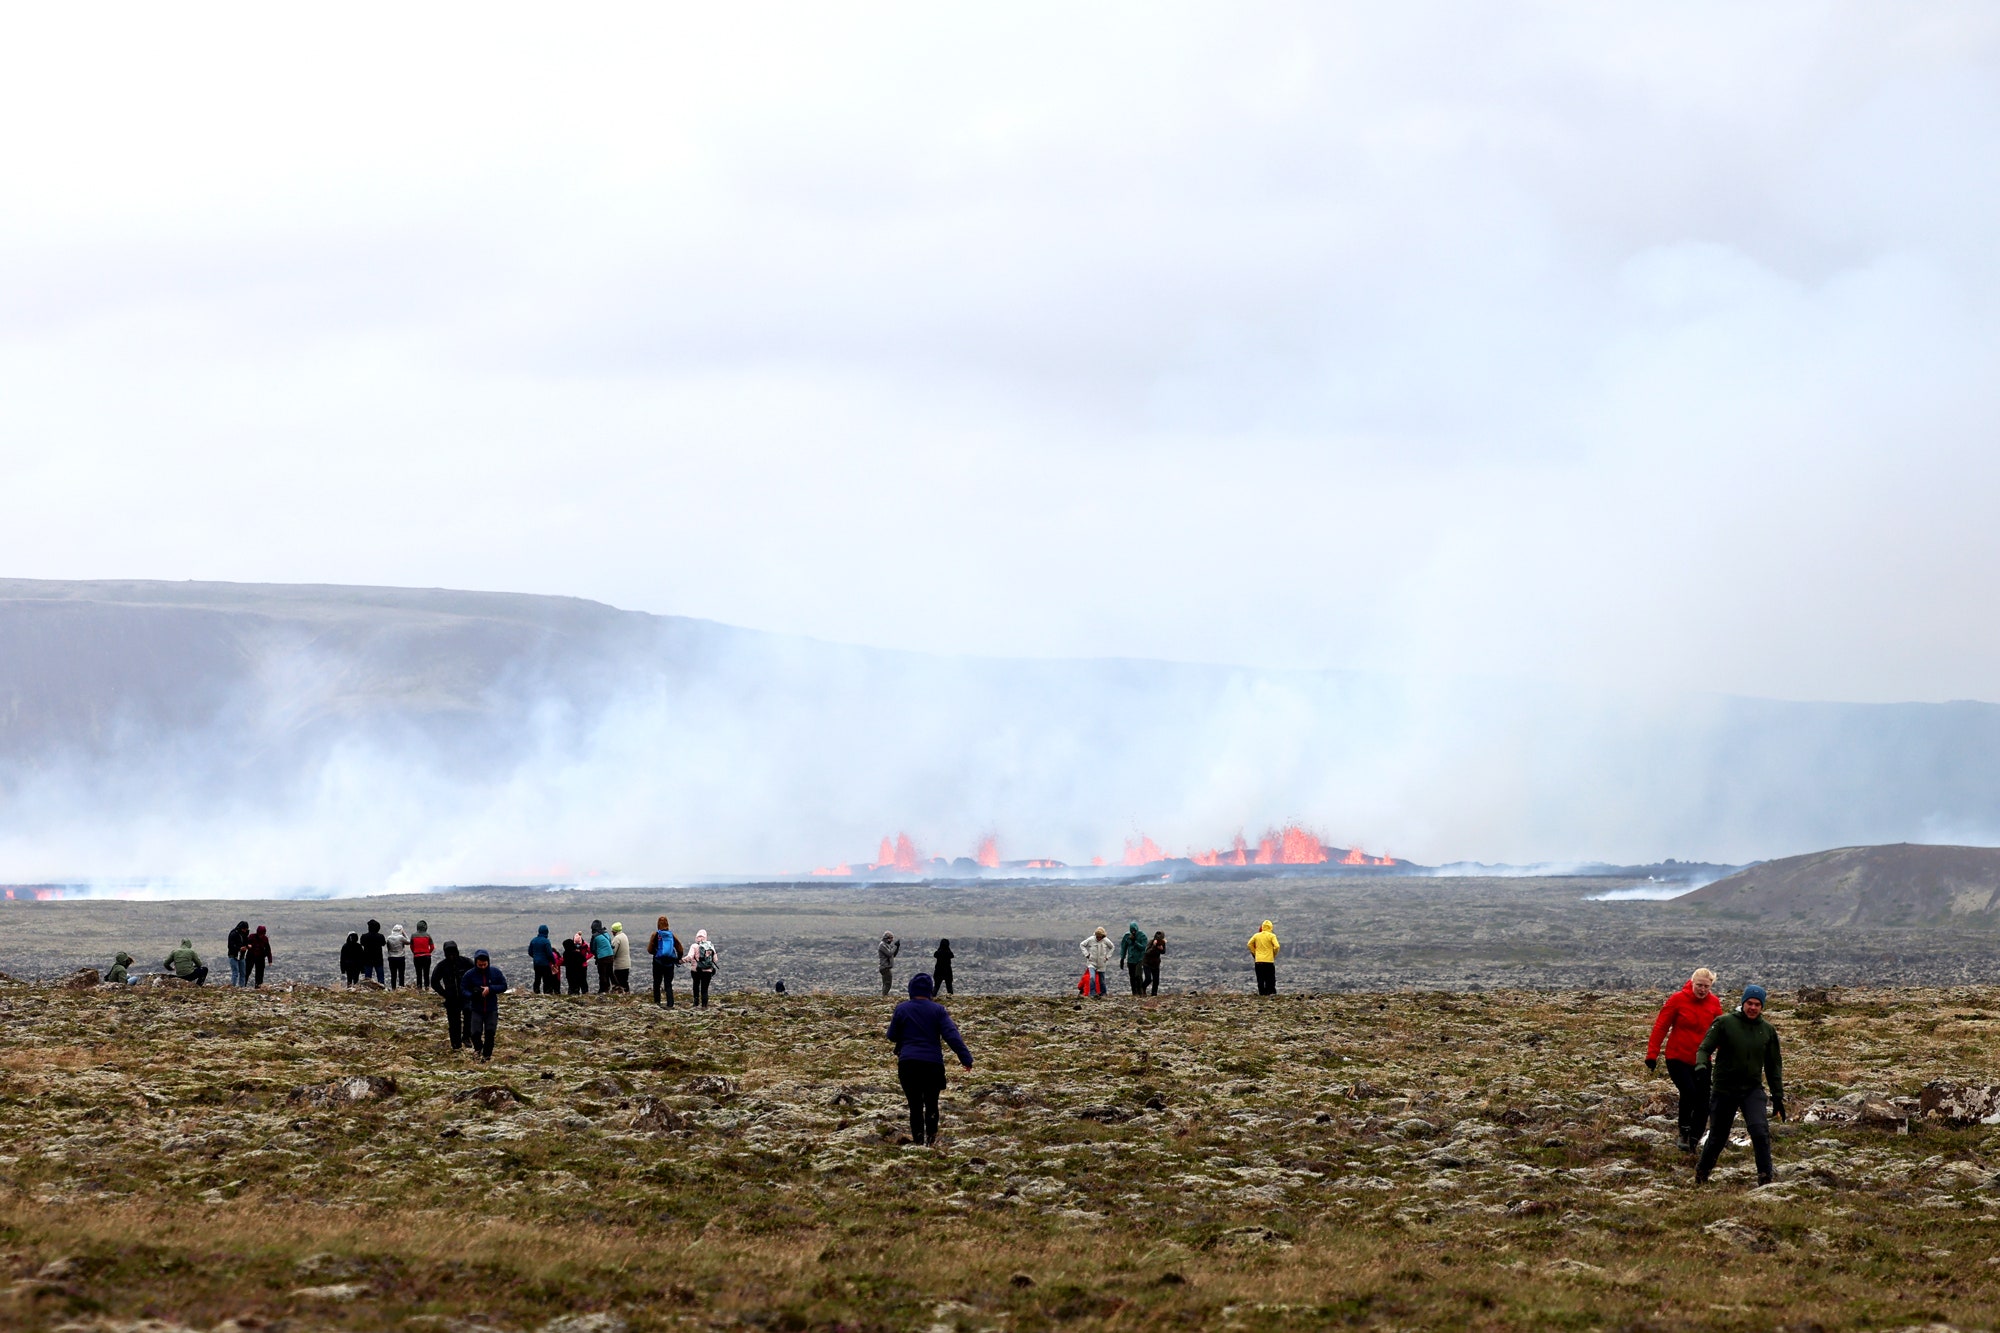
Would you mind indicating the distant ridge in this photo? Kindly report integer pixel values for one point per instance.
(1902, 884)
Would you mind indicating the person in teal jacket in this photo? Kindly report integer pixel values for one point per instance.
(1740, 1054)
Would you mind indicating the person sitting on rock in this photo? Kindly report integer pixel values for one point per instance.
(1740, 1050)
(120, 973)
(186, 964)
(1682, 1023)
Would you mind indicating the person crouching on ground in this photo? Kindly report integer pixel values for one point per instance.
(885, 959)
(1096, 957)
(483, 986)
(445, 980)
(120, 973)
(350, 958)
(1682, 1023)
(1740, 1050)
(920, 1028)
(1155, 952)
(1264, 952)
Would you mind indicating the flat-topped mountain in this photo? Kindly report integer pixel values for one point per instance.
(1905, 884)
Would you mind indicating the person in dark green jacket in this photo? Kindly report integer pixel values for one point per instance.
(1741, 1052)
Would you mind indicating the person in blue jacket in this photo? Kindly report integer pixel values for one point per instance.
(482, 987)
(920, 1029)
(602, 949)
(542, 953)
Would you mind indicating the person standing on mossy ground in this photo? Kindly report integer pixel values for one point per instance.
(621, 958)
(1741, 1050)
(665, 951)
(1096, 957)
(1264, 952)
(576, 964)
(256, 957)
(542, 954)
(239, 940)
(397, 944)
(350, 958)
(885, 959)
(451, 970)
(483, 986)
(1155, 952)
(941, 967)
(1132, 956)
(373, 943)
(700, 962)
(602, 949)
(421, 949)
(120, 973)
(920, 1028)
(1683, 1022)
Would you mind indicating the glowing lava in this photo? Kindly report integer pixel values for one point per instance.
(989, 852)
(1143, 851)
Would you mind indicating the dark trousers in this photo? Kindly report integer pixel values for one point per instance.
(199, 976)
(922, 1081)
(888, 979)
(1153, 975)
(1267, 978)
(621, 979)
(352, 976)
(479, 1030)
(373, 969)
(423, 972)
(1692, 1084)
(1722, 1118)
(395, 973)
(700, 981)
(579, 980)
(253, 972)
(942, 978)
(604, 976)
(663, 980)
(1135, 971)
(454, 1019)
(546, 980)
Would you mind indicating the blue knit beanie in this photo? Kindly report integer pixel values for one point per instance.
(1757, 993)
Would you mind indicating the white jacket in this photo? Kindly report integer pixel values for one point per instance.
(398, 942)
(1099, 952)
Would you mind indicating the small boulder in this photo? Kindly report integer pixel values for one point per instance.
(710, 1085)
(347, 1091)
(84, 978)
(494, 1097)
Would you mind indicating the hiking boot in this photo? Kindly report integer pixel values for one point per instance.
(1701, 1175)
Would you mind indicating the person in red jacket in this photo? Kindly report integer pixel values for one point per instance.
(1682, 1023)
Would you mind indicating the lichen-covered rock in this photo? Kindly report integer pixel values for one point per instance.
(346, 1091)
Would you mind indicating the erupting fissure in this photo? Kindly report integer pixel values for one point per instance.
(1292, 845)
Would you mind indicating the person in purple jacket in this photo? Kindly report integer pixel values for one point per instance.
(482, 986)
(920, 1028)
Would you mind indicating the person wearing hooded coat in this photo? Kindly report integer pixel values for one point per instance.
(920, 1029)
(482, 985)
(350, 958)
(542, 953)
(239, 939)
(885, 959)
(1132, 955)
(1156, 952)
(373, 943)
(621, 958)
(941, 968)
(665, 951)
(397, 944)
(700, 963)
(603, 950)
(1096, 957)
(422, 946)
(255, 956)
(120, 973)
(1264, 952)
(445, 978)
(576, 964)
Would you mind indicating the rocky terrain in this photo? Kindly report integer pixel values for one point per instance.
(301, 1158)
(1900, 885)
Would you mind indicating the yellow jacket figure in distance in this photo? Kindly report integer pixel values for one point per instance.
(1264, 948)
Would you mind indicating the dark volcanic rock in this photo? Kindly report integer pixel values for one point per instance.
(1906, 884)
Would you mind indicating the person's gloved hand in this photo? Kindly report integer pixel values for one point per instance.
(1781, 1111)
(1652, 1066)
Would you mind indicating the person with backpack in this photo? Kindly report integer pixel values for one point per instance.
(350, 959)
(666, 954)
(1132, 957)
(576, 964)
(1155, 953)
(602, 949)
(256, 955)
(920, 1029)
(373, 943)
(621, 958)
(451, 970)
(700, 963)
(542, 953)
(421, 949)
(885, 959)
(1684, 1020)
(1264, 952)
(941, 968)
(1096, 957)
(482, 985)
(239, 940)
(397, 944)
(1740, 1052)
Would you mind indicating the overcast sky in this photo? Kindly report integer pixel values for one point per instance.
(1651, 345)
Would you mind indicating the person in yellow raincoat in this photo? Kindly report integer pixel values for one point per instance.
(1264, 948)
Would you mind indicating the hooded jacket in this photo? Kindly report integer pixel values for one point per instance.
(1097, 951)
(1132, 946)
(372, 944)
(396, 941)
(421, 943)
(942, 957)
(445, 975)
(1264, 945)
(1682, 1023)
(118, 974)
(184, 960)
(701, 954)
(921, 1027)
(239, 937)
(601, 945)
(472, 981)
(885, 953)
(1157, 949)
(1743, 1052)
(351, 954)
(621, 949)
(259, 948)
(541, 949)
(576, 954)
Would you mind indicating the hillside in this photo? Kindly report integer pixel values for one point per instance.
(1901, 885)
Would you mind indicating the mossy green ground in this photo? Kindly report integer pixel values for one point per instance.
(1380, 1160)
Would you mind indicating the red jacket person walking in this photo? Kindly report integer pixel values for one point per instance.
(1682, 1023)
